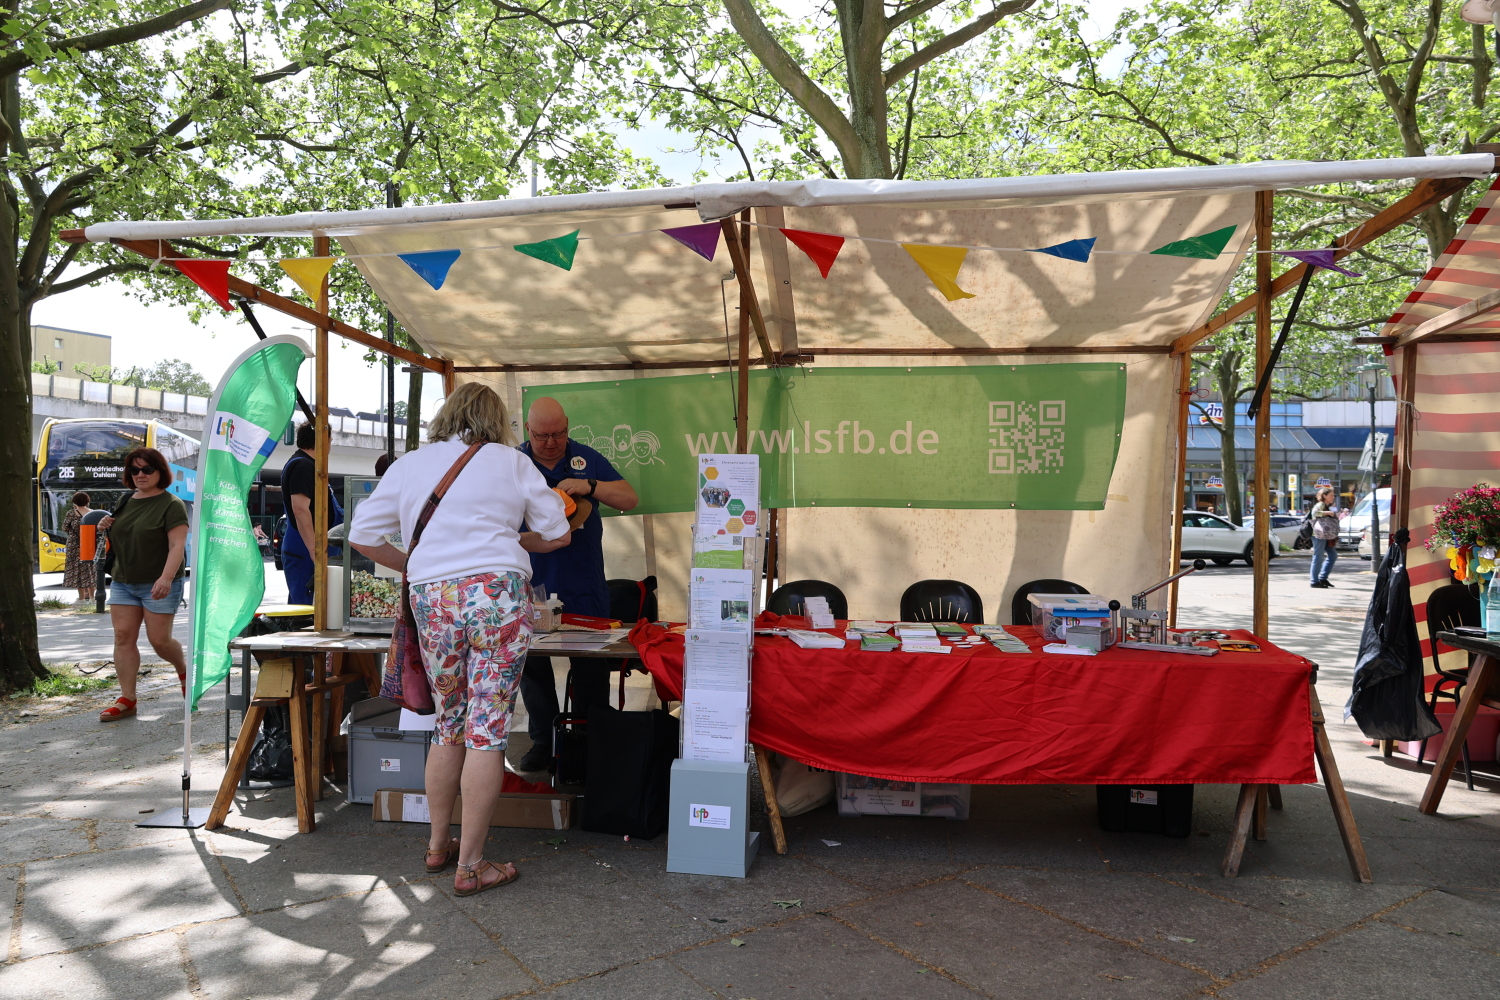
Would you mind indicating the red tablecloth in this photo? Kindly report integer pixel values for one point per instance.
(982, 716)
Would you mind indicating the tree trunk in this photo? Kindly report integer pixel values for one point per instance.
(20, 663)
(1227, 374)
(863, 31)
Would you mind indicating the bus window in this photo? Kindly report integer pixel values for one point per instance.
(181, 453)
(91, 444)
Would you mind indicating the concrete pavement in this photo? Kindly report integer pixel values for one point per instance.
(1027, 898)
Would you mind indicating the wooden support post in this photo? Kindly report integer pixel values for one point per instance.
(1239, 831)
(1273, 792)
(1262, 807)
(1261, 539)
(320, 451)
(740, 255)
(773, 550)
(249, 729)
(449, 382)
(1406, 394)
(742, 389)
(773, 808)
(1338, 799)
(1482, 676)
(301, 767)
(1184, 395)
(317, 702)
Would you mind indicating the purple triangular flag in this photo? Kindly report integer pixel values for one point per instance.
(702, 240)
(1319, 258)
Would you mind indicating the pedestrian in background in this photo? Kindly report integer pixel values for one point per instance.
(77, 573)
(148, 535)
(1325, 541)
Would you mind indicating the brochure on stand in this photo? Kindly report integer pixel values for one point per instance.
(715, 661)
(721, 600)
(728, 501)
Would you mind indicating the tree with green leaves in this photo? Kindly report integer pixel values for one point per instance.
(163, 110)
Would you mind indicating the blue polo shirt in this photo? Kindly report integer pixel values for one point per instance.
(575, 572)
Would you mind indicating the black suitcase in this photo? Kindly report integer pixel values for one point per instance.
(629, 772)
(1164, 809)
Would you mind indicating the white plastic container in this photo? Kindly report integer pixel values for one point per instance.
(1051, 614)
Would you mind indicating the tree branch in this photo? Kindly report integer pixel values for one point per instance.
(911, 13)
(18, 60)
(95, 275)
(953, 40)
(785, 71)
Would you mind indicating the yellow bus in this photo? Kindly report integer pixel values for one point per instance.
(88, 454)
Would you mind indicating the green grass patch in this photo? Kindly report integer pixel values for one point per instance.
(69, 684)
(52, 604)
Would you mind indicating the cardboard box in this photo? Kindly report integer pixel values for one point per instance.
(530, 811)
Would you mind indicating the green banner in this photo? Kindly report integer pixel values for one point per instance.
(246, 415)
(1029, 437)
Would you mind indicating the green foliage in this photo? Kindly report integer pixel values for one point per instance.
(48, 367)
(176, 375)
(60, 683)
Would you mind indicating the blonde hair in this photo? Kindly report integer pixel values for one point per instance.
(474, 412)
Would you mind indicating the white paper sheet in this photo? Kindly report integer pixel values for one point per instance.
(716, 661)
(720, 599)
(714, 725)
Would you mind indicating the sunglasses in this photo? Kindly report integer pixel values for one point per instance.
(142, 470)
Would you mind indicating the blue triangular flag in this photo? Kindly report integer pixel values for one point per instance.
(431, 265)
(1078, 250)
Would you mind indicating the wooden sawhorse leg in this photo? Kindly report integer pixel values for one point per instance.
(1481, 676)
(249, 728)
(1251, 810)
(302, 775)
(773, 808)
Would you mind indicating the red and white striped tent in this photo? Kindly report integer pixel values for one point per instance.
(1448, 339)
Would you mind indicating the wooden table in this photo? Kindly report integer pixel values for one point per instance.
(333, 659)
(1483, 688)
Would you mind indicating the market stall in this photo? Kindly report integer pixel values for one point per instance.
(1007, 275)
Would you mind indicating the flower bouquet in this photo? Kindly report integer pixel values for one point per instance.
(1466, 527)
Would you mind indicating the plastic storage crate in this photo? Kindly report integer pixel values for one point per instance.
(382, 755)
(862, 796)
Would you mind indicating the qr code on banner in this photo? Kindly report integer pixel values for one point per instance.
(1027, 437)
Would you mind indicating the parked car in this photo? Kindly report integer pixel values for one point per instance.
(1358, 520)
(1208, 536)
(1366, 549)
(1286, 528)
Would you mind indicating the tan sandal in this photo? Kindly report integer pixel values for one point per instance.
(123, 708)
(438, 860)
(469, 879)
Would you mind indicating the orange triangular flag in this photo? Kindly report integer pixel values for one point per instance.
(821, 248)
(210, 275)
(308, 273)
(941, 264)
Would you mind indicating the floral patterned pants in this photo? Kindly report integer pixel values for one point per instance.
(474, 633)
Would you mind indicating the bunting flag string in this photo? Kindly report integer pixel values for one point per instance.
(557, 251)
(821, 248)
(941, 265)
(940, 262)
(210, 275)
(308, 273)
(431, 265)
(702, 240)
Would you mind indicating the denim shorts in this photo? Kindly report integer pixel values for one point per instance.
(139, 594)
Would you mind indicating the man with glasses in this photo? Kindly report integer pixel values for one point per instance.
(574, 573)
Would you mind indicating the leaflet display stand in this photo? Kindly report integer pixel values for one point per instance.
(708, 828)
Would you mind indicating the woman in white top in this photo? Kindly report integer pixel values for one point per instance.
(469, 597)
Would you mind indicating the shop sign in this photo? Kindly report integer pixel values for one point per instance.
(1029, 437)
(1211, 413)
(1214, 483)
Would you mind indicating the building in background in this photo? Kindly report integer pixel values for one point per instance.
(67, 348)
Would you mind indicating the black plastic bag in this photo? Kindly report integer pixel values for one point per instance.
(1387, 700)
(629, 778)
(271, 757)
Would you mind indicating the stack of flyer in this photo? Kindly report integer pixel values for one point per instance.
(818, 612)
(1001, 639)
(878, 642)
(723, 600)
(808, 639)
(919, 637)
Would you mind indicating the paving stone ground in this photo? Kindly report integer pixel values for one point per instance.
(1028, 898)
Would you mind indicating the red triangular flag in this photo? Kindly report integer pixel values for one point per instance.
(210, 275)
(821, 248)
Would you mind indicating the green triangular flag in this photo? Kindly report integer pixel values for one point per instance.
(1207, 246)
(559, 250)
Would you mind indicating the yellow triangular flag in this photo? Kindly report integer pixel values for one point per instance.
(308, 273)
(941, 264)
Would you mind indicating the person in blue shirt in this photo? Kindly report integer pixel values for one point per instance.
(574, 573)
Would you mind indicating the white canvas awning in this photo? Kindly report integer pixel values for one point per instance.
(635, 295)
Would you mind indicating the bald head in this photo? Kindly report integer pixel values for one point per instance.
(546, 411)
(547, 430)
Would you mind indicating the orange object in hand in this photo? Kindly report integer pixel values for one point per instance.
(569, 505)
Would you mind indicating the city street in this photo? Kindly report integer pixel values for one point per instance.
(1028, 897)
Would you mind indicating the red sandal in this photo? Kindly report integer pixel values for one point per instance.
(438, 860)
(123, 708)
(469, 879)
(181, 680)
